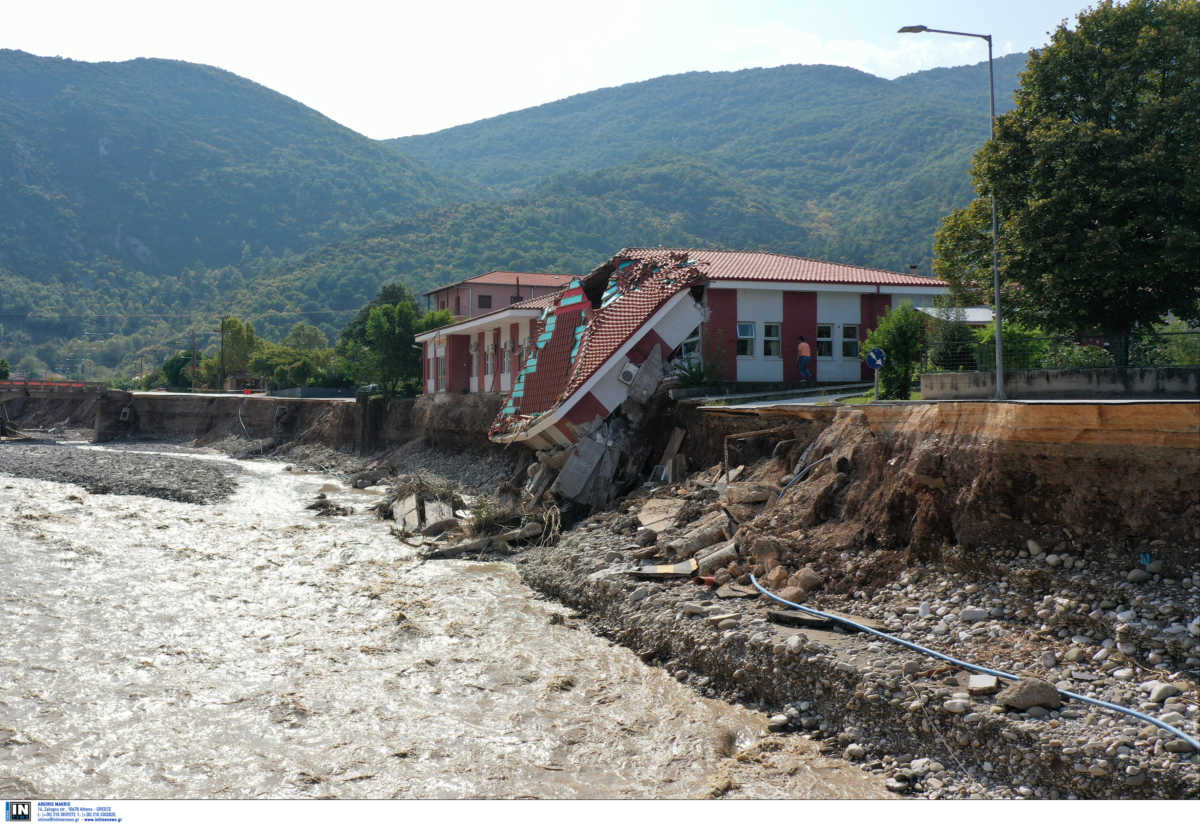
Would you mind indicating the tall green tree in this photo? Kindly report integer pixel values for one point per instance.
(240, 343)
(4, 370)
(306, 337)
(390, 333)
(1096, 174)
(901, 335)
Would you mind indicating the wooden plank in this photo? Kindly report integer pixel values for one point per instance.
(676, 440)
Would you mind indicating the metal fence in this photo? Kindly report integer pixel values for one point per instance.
(958, 348)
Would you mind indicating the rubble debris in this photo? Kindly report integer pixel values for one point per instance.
(683, 569)
(659, 514)
(326, 508)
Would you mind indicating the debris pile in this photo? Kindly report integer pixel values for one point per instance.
(442, 521)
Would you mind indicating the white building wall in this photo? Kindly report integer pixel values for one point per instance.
(837, 310)
(759, 307)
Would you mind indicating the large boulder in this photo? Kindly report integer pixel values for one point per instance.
(1030, 692)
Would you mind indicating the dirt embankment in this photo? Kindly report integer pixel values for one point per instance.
(946, 481)
(1059, 542)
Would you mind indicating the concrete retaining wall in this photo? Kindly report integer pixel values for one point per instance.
(1166, 382)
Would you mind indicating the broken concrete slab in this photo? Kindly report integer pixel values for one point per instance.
(980, 684)
(659, 514)
(407, 513)
(579, 467)
(795, 618)
(436, 511)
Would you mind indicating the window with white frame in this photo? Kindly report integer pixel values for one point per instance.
(745, 339)
(850, 340)
(487, 360)
(505, 358)
(824, 340)
(772, 340)
(690, 348)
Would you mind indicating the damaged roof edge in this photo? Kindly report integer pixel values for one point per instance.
(561, 409)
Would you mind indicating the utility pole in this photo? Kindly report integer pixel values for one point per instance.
(221, 388)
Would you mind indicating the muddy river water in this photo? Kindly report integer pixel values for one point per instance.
(250, 649)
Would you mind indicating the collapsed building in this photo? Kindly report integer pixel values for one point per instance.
(579, 369)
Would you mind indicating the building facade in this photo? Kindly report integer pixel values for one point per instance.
(750, 310)
(492, 291)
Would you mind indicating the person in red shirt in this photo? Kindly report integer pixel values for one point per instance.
(803, 358)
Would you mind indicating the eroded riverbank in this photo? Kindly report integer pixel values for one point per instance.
(252, 649)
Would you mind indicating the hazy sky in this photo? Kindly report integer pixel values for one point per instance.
(389, 69)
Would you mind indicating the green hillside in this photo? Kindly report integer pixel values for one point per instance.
(159, 165)
(817, 127)
(142, 200)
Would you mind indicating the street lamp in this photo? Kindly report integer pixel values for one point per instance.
(995, 233)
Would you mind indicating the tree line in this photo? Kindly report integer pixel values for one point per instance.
(376, 348)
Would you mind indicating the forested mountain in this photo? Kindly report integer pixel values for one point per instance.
(141, 200)
(160, 164)
(820, 128)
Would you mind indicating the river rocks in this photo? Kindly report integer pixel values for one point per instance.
(972, 614)
(980, 684)
(776, 723)
(775, 578)
(1160, 691)
(1137, 576)
(1029, 692)
(807, 579)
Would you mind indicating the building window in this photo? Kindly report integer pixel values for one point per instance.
(485, 301)
(505, 360)
(745, 340)
(487, 362)
(690, 348)
(850, 340)
(441, 372)
(457, 305)
(824, 340)
(772, 342)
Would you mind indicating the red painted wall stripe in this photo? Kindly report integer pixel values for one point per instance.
(720, 331)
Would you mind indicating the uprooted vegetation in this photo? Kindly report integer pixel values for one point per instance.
(444, 521)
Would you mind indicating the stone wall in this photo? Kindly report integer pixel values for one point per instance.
(1166, 382)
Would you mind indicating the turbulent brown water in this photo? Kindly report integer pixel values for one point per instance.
(249, 649)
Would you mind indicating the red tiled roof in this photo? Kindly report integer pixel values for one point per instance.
(724, 264)
(638, 289)
(540, 302)
(543, 387)
(614, 324)
(511, 279)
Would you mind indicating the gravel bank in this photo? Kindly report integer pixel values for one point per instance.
(113, 472)
(909, 716)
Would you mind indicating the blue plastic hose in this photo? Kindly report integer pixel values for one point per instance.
(975, 667)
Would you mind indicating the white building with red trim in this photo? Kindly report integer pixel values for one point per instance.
(570, 357)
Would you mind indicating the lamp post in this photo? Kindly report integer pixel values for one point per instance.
(995, 232)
